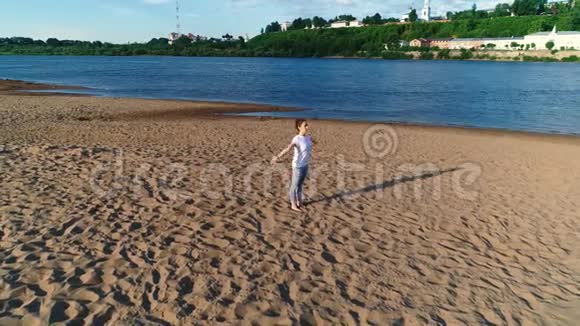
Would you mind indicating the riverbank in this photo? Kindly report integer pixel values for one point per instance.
(470, 55)
(20, 87)
(126, 210)
(491, 55)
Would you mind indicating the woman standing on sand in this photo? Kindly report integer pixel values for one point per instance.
(302, 144)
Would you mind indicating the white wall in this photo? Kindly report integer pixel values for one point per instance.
(567, 41)
(338, 25)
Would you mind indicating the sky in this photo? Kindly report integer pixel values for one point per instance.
(122, 21)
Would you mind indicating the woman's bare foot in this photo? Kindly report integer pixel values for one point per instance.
(295, 208)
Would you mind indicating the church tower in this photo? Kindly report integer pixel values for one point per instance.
(426, 12)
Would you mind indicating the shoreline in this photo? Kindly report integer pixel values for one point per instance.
(233, 109)
(532, 57)
(23, 87)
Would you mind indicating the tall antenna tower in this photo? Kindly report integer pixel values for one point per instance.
(178, 25)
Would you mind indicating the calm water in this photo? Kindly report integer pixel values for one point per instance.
(539, 97)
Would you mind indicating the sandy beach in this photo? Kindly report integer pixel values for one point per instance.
(148, 212)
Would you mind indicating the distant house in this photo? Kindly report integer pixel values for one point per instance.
(339, 24)
(355, 23)
(344, 23)
(194, 38)
(420, 43)
(173, 37)
(489, 11)
(284, 26)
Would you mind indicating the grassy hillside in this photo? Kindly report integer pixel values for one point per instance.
(370, 40)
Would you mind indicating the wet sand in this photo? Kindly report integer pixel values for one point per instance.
(127, 211)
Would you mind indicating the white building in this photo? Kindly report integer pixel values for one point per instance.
(284, 26)
(194, 38)
(426, 12)
(566, 40)
(355, 23)
(339, 24)
(173, 37)
(536, 41)
(344, 23)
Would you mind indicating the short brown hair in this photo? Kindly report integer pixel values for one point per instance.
(298, 123)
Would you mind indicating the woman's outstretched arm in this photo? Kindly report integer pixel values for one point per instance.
(282, 153)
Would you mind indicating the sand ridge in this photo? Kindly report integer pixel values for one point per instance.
(111, 217)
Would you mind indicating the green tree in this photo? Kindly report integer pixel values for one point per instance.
(413, 16)
(550, 45)
(528, 7)
(542, 7)
(347, 18)
(298, 23)
(471, 24)
(576, 19)
(318, 21)
(182, 42)
(273, 27)
(444, 54)
(392, 40)
(502, 10)
(426, 55)
(53, 42)
(376, 19)
(465, 54)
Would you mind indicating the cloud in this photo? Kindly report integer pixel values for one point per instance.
(157, 2)
(192, 15)
(118, 10)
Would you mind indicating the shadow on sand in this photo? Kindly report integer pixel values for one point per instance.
(381, 186)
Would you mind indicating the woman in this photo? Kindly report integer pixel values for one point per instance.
(302, 144)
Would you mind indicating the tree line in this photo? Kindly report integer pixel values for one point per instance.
(517, 8)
